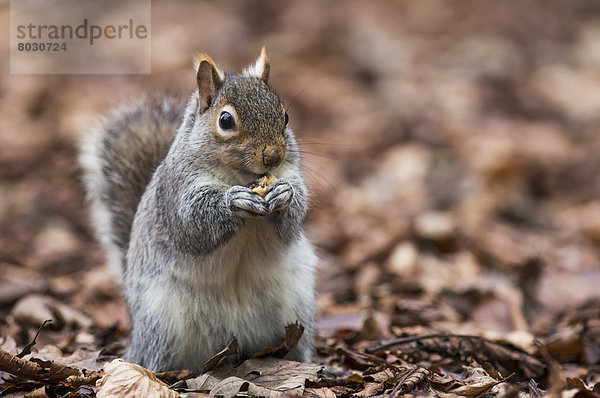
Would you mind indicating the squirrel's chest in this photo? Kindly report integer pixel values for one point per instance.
(243, 276)
(252, 255)
(241, 287)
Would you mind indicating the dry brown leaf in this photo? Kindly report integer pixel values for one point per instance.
(506, 358)
(8, 343)
(371, 329)
(271, 376)
(489, 368)
(234, 386)
(444, 382)
(34, 309)
(232, 348)
(319, 392)
(173, 376)
(412, 378)
(37, 393)
(366, 278)
(476, 383)
(403, 259)
(124, 379)
(435, 226)
(16, 282)
(293, 332)
(372, 246)
(34, 370)
(371, 389)
(474, 390)
(376, 383)
(55, 241)
(81, 358)
(556, 381)
(358, 360)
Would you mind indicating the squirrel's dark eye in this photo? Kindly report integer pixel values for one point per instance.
(286, 119)
(226, 121)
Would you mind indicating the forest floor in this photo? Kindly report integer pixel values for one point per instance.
(452, 151)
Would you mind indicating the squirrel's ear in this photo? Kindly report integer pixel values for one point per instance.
(209, 78)
(260, 68)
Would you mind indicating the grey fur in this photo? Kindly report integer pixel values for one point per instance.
(207, 259)
(118, 158)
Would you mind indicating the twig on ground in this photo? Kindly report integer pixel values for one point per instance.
(27, 349)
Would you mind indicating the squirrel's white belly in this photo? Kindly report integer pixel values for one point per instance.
(249, 288)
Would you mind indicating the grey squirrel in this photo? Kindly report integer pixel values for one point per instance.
(202, 257)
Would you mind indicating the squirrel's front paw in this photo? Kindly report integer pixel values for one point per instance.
(245, 203)
(279, 195)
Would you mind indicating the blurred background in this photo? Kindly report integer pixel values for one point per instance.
(452, 150)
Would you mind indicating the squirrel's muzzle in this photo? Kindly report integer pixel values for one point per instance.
(272, 155)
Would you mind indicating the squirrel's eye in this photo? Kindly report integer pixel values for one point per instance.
(286, 119)
(226, 121)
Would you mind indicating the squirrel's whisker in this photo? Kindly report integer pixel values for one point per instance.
(289, 106)
(320, 155)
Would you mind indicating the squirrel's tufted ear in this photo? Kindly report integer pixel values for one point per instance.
(209, 78)
(260, 68)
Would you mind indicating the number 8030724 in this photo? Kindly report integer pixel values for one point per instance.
(35, 46)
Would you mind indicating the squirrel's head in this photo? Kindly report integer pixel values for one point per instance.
(242, 116)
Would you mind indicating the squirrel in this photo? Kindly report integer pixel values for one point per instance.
(201, 257)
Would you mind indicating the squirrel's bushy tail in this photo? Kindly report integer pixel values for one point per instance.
(118, 159)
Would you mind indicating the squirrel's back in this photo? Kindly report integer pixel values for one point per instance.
(118, 159)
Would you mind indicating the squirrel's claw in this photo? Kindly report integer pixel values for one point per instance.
(244, 203)
(279, 195)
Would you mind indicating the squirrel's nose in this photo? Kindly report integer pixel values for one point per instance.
(272, 156)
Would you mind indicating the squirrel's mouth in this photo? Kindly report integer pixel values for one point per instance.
(251, 174)
(248, 177)
(255, 176)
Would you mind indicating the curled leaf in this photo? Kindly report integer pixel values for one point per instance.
(124, 379)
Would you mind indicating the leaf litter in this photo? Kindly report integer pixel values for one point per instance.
(452, 157)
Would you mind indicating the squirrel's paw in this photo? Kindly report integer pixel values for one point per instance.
(279, 195)
(245, 203)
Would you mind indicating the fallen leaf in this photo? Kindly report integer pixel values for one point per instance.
(322, 392)
(232, 348)
(82, 358)
(124, 379)
(271, 377)
(477, 383)
(174, 376)
(403, 259)
(8, 343)
(474, 390)
(17, 282)
(293, 332)
(437, 227)
(34, 309)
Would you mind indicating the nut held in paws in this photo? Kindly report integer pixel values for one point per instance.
(261, 185)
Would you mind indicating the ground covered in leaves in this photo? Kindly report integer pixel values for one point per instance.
(452, 151)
